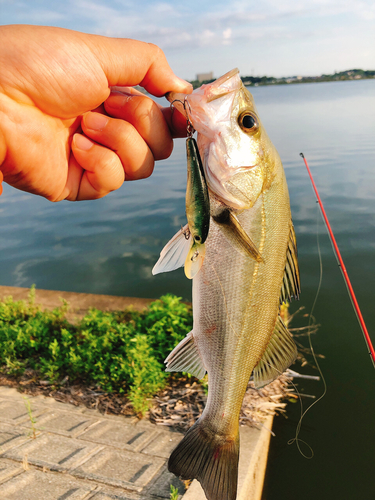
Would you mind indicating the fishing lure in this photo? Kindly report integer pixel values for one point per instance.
(187, 247)
(197, 208)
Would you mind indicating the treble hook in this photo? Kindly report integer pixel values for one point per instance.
(187, 108)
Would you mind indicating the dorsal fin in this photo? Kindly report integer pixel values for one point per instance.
(291, 286)
(279, 355)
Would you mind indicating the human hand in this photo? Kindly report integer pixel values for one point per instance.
(63, 134)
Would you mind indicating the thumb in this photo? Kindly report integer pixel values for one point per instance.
(129, 62)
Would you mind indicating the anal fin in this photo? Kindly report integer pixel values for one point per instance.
(185, 357)
(280, 353)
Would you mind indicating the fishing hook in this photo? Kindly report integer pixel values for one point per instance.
(186, 233)
(187, 108)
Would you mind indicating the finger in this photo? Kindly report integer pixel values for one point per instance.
(130, 62)
(103, 171)
(100, 109)
(71, 188)
(123, 139)
(127, 90)
(145, 115)
(177, 122)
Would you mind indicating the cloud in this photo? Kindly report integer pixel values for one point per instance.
(272, 30)
(227, 34)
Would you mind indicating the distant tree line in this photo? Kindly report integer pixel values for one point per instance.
(350, 74)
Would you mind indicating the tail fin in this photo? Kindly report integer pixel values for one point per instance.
(210, 458)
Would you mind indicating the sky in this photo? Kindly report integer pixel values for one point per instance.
(262, 37)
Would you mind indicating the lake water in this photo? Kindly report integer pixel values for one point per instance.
(110, 246)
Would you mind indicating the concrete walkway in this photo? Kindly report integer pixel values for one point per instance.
(77, 453)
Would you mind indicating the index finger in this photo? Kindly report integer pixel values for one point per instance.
(177, 122)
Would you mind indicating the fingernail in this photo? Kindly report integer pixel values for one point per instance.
(95, 121)
(81, 142)
(183, 83)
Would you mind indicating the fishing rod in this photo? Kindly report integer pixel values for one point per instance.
(343, 268)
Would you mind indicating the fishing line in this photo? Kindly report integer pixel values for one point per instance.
(344, 272)
(311, 321)
(296, 438)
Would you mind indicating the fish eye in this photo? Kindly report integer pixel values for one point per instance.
(248, 122)
(197, 238)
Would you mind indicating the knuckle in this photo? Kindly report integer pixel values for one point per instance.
(157, 51)
(126, 135)
(144, 171)
(145, 110)
(114, 172)
(109, 173)
(148, 170)
(166, 151)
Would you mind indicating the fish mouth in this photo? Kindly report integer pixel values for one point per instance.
(212, 91)
(216, 90)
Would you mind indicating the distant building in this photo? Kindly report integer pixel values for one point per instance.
(201, 77)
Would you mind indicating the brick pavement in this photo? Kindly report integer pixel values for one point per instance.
(80, 454)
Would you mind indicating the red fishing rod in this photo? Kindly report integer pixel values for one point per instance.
(343, 268)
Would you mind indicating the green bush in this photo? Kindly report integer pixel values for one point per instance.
(120, 351)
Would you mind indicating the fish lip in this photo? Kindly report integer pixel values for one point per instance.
(226, 77)
(180, 97)
(218, 96)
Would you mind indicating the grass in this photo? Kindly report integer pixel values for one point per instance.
(33, 430)
(174, 494)
(117, 351)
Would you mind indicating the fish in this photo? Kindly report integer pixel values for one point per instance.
(250, 267)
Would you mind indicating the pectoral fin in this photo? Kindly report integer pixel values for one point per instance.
(291, 286)
(236, 235)
(279, 355)
(175, 252)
